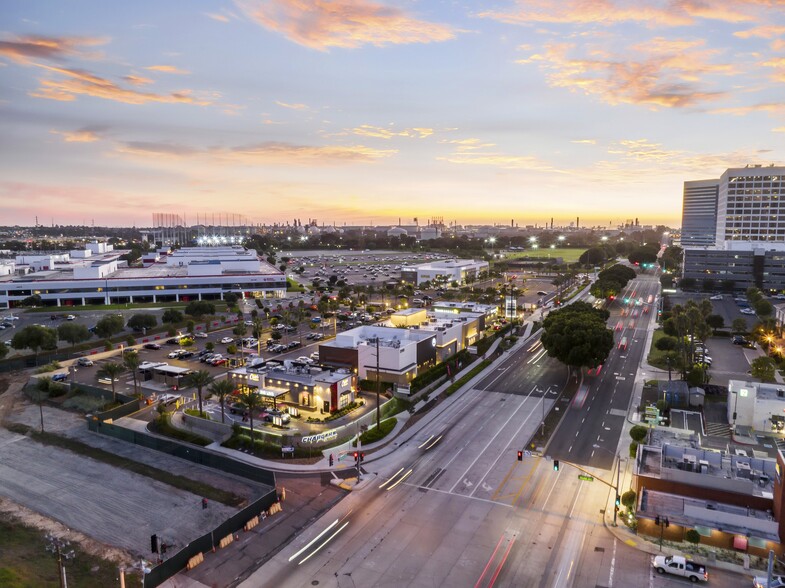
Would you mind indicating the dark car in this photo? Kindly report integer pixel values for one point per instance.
(238, 408)
(152, 346)
(739, 340)
(59, 377)
(174, 341)
(294, 344)
(186, 354)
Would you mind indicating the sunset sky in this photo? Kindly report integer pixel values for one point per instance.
(364, 111)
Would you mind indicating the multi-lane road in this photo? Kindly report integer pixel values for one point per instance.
(454, 507)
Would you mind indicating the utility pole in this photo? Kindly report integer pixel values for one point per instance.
(58, 546)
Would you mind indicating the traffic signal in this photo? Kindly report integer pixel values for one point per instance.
(362, 457)
(331, 460)
(618, 501)
(555, 465)
(520, 456)
(356, 455)
(154, 543)
(657, 520)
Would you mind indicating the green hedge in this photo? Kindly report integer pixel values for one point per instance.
(439, 371)
(337, 414)
(377, 433)
(163, 426)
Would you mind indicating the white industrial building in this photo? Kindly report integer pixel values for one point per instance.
(97, 275)
(446, 271)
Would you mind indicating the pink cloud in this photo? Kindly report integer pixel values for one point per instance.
(25, 49)
(321, 24)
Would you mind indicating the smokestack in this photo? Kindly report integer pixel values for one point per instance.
(512, 222)
(551, 223)
(577, 222)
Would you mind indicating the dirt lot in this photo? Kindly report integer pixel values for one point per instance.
(110, 505)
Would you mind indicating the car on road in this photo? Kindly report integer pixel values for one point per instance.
(238, 408)
(763, 582)
(200, 335)
(316, 319)
(747, 311)
(542, 293)
(227, 340)
(716, 297)
(293, 345)
(59, 377)
(248, 323)
(84, 361)
(152, 346)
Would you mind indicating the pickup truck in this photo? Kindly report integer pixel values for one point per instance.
(679, 566)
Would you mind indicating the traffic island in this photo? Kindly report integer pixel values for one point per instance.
(350, 484)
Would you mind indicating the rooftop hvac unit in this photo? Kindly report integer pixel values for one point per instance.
(743, 470)
(704, 466)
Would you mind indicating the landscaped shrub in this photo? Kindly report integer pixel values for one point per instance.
(639, 433)
(633, 449)
(57, 389)
(692, 536)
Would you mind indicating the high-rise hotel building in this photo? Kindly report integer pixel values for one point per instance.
(733, 228)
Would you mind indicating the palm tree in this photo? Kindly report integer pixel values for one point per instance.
(131, 362)
(111, 371)
(199, 380)
(252, 401)
(222, 389)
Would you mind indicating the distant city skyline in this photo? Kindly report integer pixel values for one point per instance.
(364, 112)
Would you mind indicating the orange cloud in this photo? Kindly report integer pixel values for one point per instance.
(584, 141)
(764, 31)
(778, 130)
(770, 107)
(382, 133)
(80, 82)
(472, 151)
(267, 153)
(25, 49)
(137, 80)
(218, 17)
(667, 74)
(168, 69)
(608, 12)
(321, 24)
(85, 135)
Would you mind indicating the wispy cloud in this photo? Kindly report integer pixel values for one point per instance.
(78, 82)
(778, 130)
(26, 49)
(764, 31)
(385, 133)
(84, 135)
(608, 12)
(473, 151)
(270, 152)
(658, 73)
(292, 106)
(219, 17)
(168, 69)
(769, 107)
(136, 80)
(322, 24)
(584, 141)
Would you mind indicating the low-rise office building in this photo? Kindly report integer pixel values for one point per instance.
(194, 273)
(446, 271)
(309, 387)
(454, 332)
(728, 498)
(761, 407)
(399, 353)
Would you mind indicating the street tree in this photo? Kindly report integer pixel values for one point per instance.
(73, 333)
(222, 389)
(715, 321)
(3, 350)
(252, 401)
(763, 368)
(199, 308)
(111, 370)
(131, 362)
(172, 316)
(199, 380)
(577, 335)
(109, 325)
(35, 338)
(142, 321)
(739, 326)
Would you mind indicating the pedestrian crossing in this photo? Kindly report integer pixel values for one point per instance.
(717, 429)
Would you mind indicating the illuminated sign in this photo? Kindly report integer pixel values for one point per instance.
(743, 393)
(318, 438)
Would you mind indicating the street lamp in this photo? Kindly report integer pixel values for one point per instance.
(618, 475)
(58, 546)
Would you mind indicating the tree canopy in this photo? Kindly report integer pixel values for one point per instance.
(73, 333)
(199, 308)
(109, 325)
(142, 321)
(577, 335)
(35, 338)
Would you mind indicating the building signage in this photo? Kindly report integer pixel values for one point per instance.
(586, 478)
(320, 437)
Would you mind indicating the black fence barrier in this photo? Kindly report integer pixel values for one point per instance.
(178, 561)
(193, 453)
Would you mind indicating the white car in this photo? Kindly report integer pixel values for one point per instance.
(763, 582)
(176, 353)
(200, 335)
(716, 297)
(227, 340)
(70, 317)
(10, 318)
(747, 311)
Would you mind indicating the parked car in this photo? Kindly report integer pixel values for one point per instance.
(747, 311)
(293, 344)
(238, 408)
(186, 354)
(84, 361)
(227, 340)
(739, 340)
(60, 377)
(206, 357)
(175, 354)
(152, 346)
(716, 297)
(270, 413)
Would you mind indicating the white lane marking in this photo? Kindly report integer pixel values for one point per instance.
(613, 565)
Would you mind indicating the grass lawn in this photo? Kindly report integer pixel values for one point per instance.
(657, 357)
(26, 563)
(568, 255)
